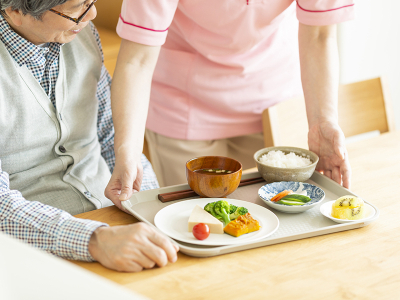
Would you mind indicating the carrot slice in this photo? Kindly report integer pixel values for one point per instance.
(280, 195)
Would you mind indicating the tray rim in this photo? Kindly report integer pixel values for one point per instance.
(219, 250)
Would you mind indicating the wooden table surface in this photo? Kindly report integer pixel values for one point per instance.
(356, 264)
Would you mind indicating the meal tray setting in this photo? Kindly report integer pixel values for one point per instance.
(145, 205)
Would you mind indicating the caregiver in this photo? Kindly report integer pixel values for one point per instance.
(220, 65)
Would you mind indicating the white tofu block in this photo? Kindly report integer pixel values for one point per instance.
(199, 215)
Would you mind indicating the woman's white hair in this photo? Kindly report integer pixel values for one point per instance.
(35, 8)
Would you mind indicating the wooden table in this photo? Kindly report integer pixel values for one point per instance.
(356, 264)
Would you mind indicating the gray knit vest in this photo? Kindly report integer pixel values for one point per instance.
(53, 155)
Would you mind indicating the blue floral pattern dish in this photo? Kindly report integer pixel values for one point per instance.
(268, 191)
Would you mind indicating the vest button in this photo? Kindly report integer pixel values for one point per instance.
(62, 149)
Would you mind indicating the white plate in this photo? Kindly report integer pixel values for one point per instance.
(326, 210)
(173, 221)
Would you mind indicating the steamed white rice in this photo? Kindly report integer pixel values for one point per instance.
(282, 160)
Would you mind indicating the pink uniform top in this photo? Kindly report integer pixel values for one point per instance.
(222, 61)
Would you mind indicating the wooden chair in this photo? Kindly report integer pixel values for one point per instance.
(363, 107)
(110, 42)
(106, 23)
(108, 14)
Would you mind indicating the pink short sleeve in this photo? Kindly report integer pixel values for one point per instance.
(146, 21)
(327, 12)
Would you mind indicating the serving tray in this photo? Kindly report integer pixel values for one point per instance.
(145, 205)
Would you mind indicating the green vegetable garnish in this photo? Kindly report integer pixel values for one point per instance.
(240, 211)
(222, 208)
(296, 197)
(210, 209)
(287, 202)
(224, 211)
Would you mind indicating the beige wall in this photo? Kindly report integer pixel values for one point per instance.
(369, 46)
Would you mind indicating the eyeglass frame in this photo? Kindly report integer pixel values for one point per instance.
(75, 20)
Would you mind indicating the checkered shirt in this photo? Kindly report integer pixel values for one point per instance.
(40, 225)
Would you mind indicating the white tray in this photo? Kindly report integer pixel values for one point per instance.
(145, 205)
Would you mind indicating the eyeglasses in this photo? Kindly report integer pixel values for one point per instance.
(75, 20)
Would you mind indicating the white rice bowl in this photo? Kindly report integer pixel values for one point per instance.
(281, 160)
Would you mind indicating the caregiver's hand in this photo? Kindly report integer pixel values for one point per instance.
(126, 179)
(327, 140)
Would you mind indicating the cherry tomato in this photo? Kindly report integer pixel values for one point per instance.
(201, 231)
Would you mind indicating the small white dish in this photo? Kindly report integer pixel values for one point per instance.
(326, 210)
(268, 191)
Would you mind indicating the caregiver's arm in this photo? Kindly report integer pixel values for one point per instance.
(130, 92)
(320, 78)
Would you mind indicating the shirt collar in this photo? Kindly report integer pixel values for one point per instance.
(20, 49)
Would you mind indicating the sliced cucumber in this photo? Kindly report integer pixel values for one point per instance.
(296, 197)
(286, 202)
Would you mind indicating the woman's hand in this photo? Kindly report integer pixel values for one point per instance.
(126, 179)
(327, 141)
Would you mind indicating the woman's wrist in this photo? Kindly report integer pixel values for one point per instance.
(323, 118)
(127, 152)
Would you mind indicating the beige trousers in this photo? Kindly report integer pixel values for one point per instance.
(169, 156)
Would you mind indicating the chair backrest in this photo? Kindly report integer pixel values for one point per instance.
(108, 14)
(363, 107)
(106, 23)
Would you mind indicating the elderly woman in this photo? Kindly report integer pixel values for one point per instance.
(57, 138)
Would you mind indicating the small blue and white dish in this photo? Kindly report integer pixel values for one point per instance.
(268, 191)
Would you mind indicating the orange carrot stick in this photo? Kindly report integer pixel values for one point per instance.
(280, 195)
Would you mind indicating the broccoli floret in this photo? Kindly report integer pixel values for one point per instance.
(210, 209)
(239, 212)
(233, 209)
(222, 208)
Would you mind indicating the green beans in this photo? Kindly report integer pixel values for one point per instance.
(294, 199)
